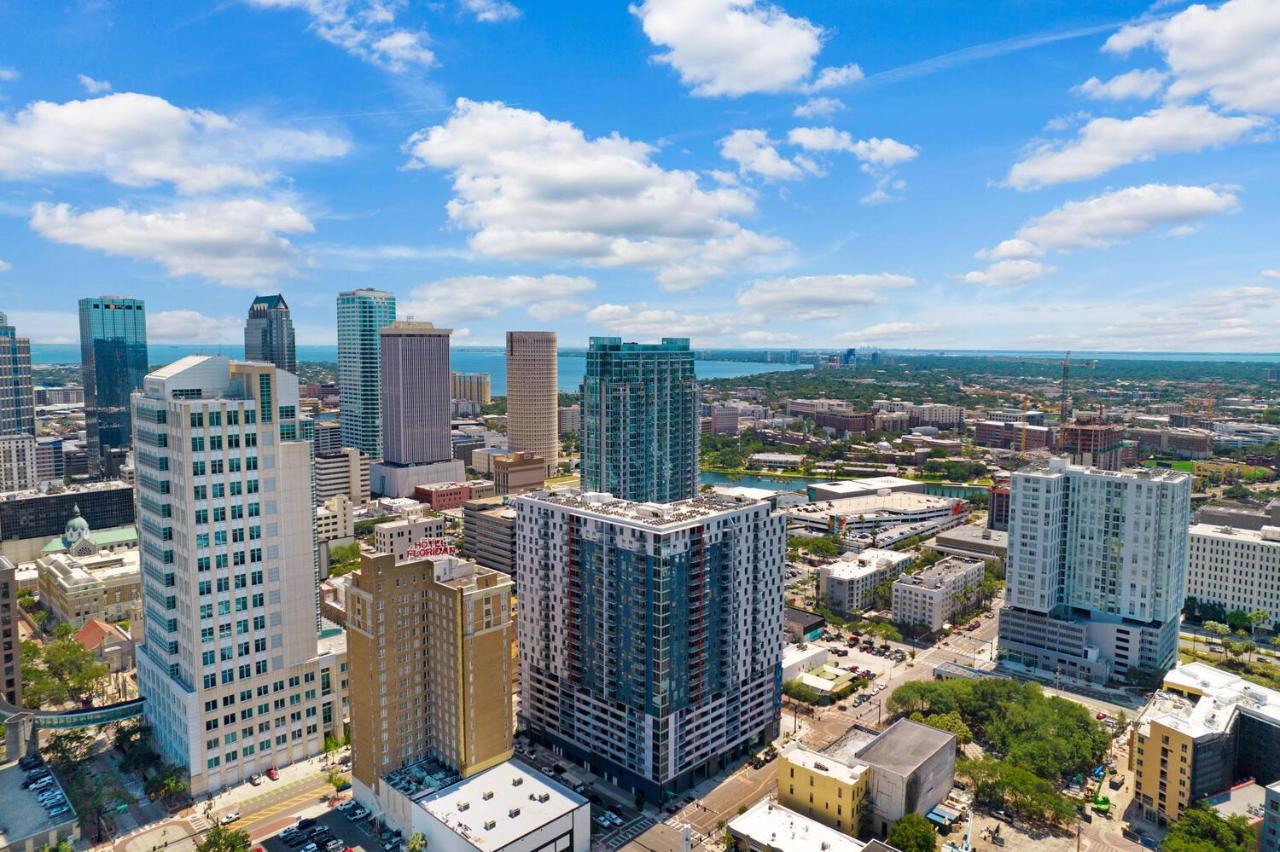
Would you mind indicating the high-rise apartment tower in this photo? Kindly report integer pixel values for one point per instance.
(650, 636)
(1097, 570)
(639, 432)
(17, 401)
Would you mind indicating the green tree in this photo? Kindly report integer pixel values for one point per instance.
(951, 722)
(344, 559)
(222, 839)
(1200, 829)
(336, 779)
(913, 833)
(68, 749)
(60, 846)
(416, 843)
(60, 671)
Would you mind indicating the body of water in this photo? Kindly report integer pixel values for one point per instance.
(491, 360)
(773, 483)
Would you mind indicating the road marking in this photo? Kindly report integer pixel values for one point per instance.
(279, 807)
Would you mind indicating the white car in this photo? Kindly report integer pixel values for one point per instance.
(227, 819)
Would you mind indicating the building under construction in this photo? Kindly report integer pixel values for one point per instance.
(1098, 445)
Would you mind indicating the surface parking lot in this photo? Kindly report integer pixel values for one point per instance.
(358, 836)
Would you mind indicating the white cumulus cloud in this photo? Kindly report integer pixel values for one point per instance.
(237, 242)
(485, 297)
(491, 11)
(811, 297)
(1231, 52)
(184, 326)
(1104, 144)
(366, 29)
(92, 86)
(1139, 83)
(818, 107)
(642, 321)
(142, 140)
(1098, 222)
(739, 47)
(888, 331)
(531, 188)
(5, 266)
(754, 152)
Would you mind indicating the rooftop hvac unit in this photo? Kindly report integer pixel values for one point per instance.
(513, 813)
(487, 795)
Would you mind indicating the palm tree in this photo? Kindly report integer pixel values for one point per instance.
(416, 843)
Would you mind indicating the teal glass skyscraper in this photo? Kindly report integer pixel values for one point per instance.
(113, 363)
(640, 420)
(360, 314)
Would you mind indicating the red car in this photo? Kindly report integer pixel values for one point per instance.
(273, 774)
(1100, 716)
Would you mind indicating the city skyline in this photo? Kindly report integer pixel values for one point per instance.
(1026, 178)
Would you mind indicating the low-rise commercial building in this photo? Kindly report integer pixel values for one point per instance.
(929, 599)
(973, 542)
(109, 643)
(769, 827)
(847, 584)
(442, 496)
(29, 519)
(1183, 443)
(1203, 733)
(798, 659)
(881, 485)
(509, 808)
(335, 519)
(863, 782)
(778, 461)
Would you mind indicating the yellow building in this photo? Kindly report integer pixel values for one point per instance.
(429, 645)
(814, 785)
(1187, 742)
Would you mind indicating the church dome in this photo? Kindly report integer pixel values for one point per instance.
(76, 529)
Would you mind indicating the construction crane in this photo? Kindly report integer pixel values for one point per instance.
(1064, 404)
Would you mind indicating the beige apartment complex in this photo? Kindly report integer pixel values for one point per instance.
(474, 387)
(489, 533)
(532, 402)
(429, 639)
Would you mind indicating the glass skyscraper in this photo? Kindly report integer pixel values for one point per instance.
(360, 314)
(17, 405)
(113, 358)
(640, 420)
(268, 333)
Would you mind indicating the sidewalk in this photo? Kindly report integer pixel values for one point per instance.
(295, 775)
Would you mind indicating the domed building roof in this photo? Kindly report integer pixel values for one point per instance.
(76, 529)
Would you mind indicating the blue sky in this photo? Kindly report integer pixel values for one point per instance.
(905, 173)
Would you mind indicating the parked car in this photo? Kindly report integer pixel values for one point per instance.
(273, 774)
(311, 847)
(288, 833)
(305, 823)
(227, 819)
(57, 812)
(30, 761)
(334, 845)
(344, 787)
(255, 779)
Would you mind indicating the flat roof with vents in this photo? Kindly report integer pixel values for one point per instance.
(500, 805)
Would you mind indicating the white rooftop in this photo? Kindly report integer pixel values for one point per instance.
(854, 566)
(1217, 696)
(794, 752)
(867, 504)
(656, 516)
(868, 485)
(534, 799)
(771, 826)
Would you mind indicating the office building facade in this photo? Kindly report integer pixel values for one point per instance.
(532, 400)
(415, 393)
(650, 635)
(1096, 573)
(430, 648)
(19, 468)
(360, 314)
(17, 399)
(345, 472)
(639, 433)
(113, 361)
(10, 640)
(1236, 569)
(237, 676)
(268, 333)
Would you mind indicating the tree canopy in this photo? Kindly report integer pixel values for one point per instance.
(222, 839)
(913, 833)
(59, 671)
(1200, 829)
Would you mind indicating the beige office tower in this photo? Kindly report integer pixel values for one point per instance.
(429, 645)
(532, 401)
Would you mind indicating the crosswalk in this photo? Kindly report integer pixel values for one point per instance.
(628, 832)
